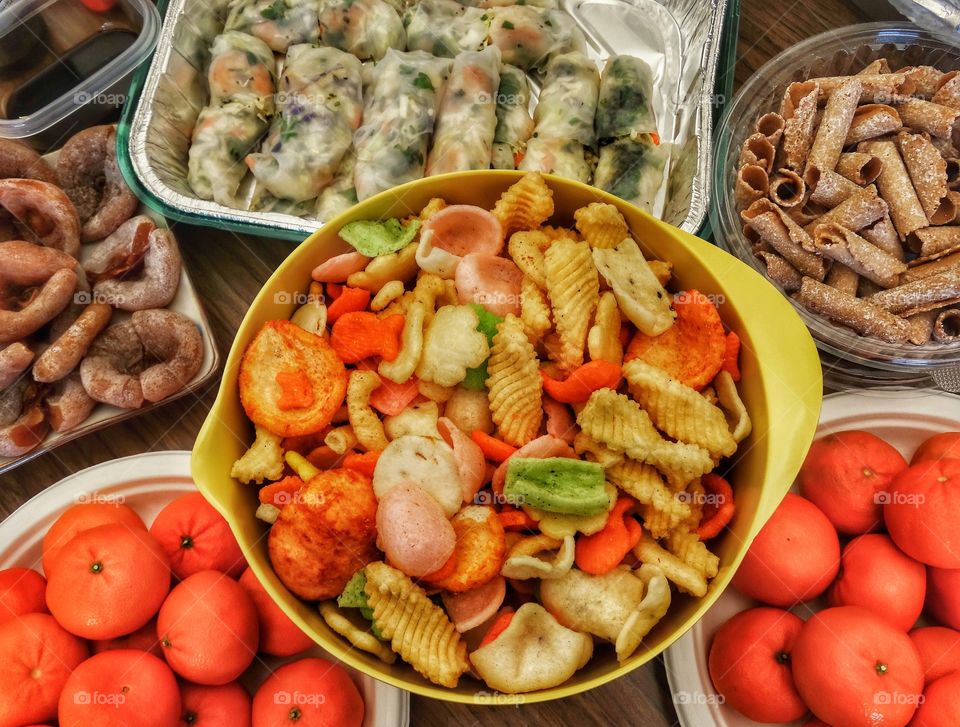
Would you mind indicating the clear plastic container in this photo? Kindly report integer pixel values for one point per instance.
(64, 66)
(853, 359)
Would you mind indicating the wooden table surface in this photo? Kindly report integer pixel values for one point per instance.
(228, 270)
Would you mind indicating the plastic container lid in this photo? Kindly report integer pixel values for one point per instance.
(45, 45)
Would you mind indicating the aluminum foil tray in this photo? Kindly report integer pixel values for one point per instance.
(680, 39)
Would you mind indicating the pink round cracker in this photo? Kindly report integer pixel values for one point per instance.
(461, 229)
(471, 463)
(493, 282)
(413, 530)
(340, 267)
(471, 608)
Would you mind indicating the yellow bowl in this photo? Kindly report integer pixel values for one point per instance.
(781, 386)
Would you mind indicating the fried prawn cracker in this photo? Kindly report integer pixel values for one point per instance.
(513, 384)
(526, 249)
(573, 286)
(601, 225)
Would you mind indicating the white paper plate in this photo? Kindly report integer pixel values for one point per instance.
(902, 418)
(146, 483)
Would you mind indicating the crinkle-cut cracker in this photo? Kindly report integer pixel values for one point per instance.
(417, 629)
(687, 579)
(603, 338)
(644, 483)
(431, 208)
(526, 248)
(679, 410)
(657, 522)
(534, 309)
(733, 407)
(653, 607)
(560, 233)
(620, 423)
(340, 621)
(573, 285)
(584, 444)
(694, 495)
(687, 546)
(525, 205)
(262, 461)
(601, 225)
(513, 383)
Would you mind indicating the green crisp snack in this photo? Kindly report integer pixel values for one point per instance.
(557, 484)
(353, 596)
(477, 377)
(372, 238)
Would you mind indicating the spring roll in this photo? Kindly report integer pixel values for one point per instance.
(392, 143)
(830, 135)
(934, 242)
(842, 278)
(864, 317)
(896, 188)
(848, 248)
(632, 169)
(874, 88)
(787, 188)
(855, 212)
(870, 121)
(278, 23)
(780, 271)
(757, 149)
(242, 68)
(365, 28)
(934, 291)
(467, 119)
(445, 28)
(884, 235)
(222, 137)
(514, 123)
(928, 172)
(832, 190)
(948, 92)
(625, 107)
(320, 107)
(920, 115)
(568, 99)
(859, 167)
(799, 110)
(341, 194)
(528, 37)
(770, 125)
(785, 236)
(556, 156)
(946, 328)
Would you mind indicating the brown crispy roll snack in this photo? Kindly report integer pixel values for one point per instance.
(752, 184)
(926, 79)
(875, 88)
(946, 328)
(883, 234)
(771, 126)
(865, 318)
(806, 213)
(881, 65)
(928, 172)
(953, 172)
(780, 271)
(830, 136)
(787, 188)
(955, 198)
(751, 235)
(842, 278)
(872, 120)
(896, 188)
(859, 167)
(926, 269)
(759, 150)
(948, 92)
(832, 189)
(855, 212)
(799, 108)
(935, 119)
(946, 147)
(935, 242)
(785, 236)
(933, 291)
(921, 327)
(848, 248)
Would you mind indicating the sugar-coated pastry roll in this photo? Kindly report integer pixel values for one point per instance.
(928, 172)
(832, 189)
(926, 79)
(842, 278)
(625, 107)
(874, 88)
(880, 65)
(934, 291)
(834, 125)
(278, 23)
(884, 235)
(799, 110)
(365, 28)
(632, 169)
(780, 271)
(936, 119)
(926, 269)
(948, 92)
(804, 214)
(770, 125)
(752, 184)
(787, 188)
(222, 137)
(556, 156)
(320, 105)
(870, 121)
(528, 37)
(568, 99)
(864, 317)
(921, 327)
(955, 199)
(467, 119)
(865, 259)
(855, 212)
(946, 328)
(757, 149)
(859, 167)
(514, 123)
(341, 194)
(392, 142)
(785, 236)
(896, 188)
(953, 172)
(931, 243)
(445, 28)
(242, 68)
